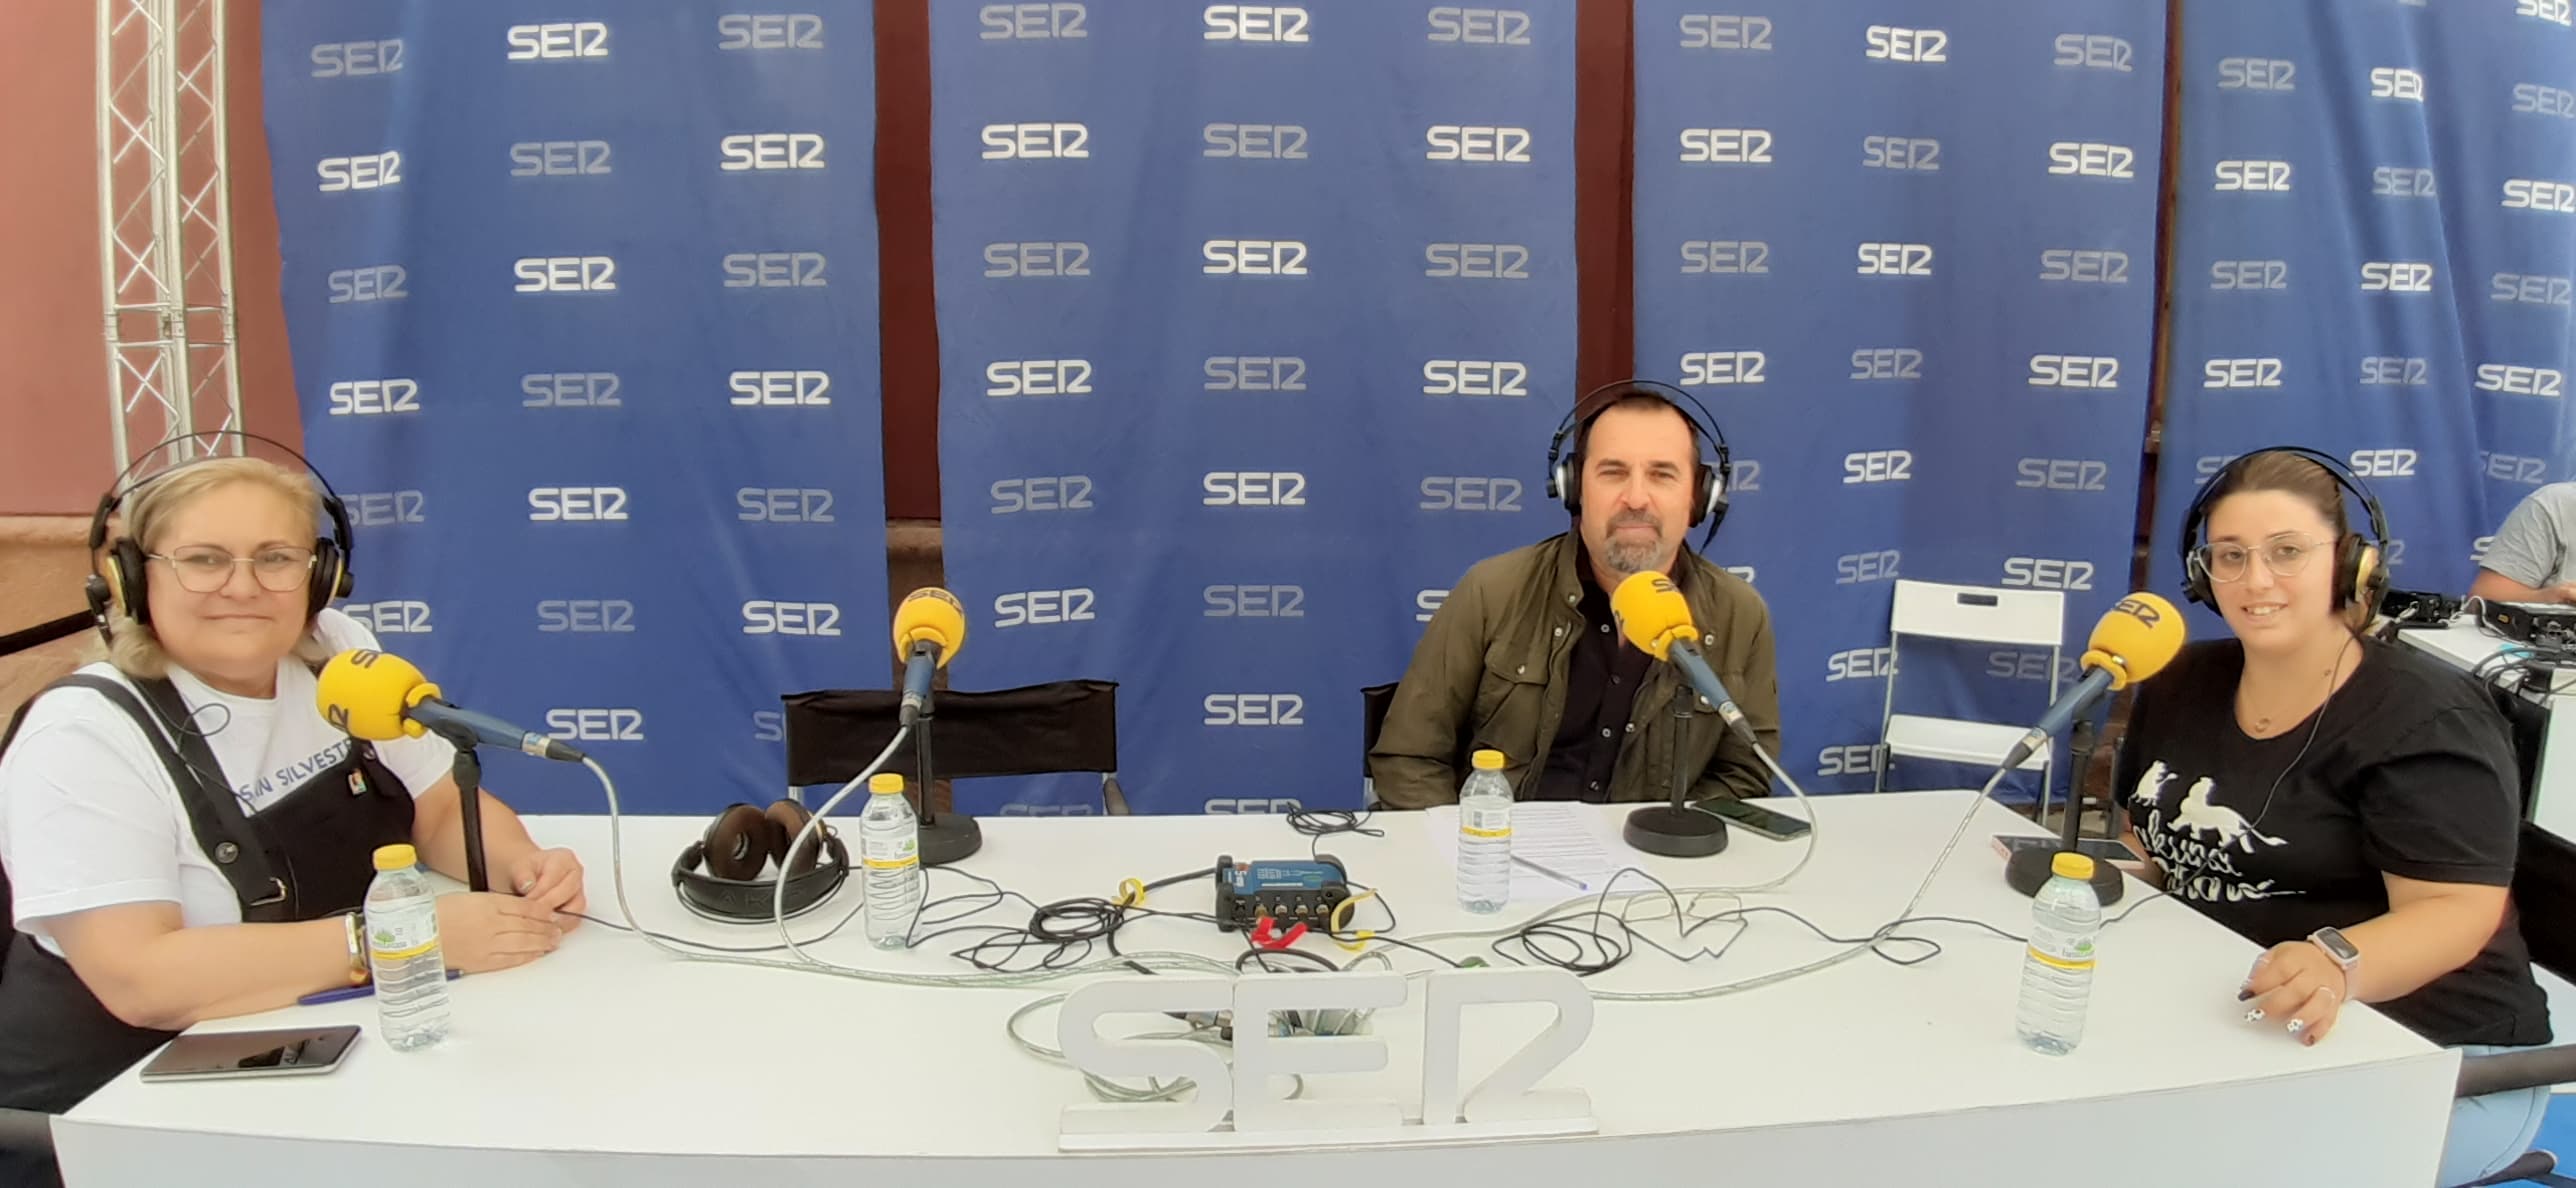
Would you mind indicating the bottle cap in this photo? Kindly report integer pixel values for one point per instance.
(885, 782)
(396, 857)
(2071, 866)
(1489, 760)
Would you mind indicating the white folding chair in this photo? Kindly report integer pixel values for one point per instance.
(1978, 614)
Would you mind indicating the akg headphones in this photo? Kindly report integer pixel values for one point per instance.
(2357, 561)
(122, 587)
(743, 842)
(1709, 483)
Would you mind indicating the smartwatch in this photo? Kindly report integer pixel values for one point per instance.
(2341, 950)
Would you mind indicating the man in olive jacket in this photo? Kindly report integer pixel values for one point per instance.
(1523, 656)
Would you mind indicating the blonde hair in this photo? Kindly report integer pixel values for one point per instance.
(134, 648)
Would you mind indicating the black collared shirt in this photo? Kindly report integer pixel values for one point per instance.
(1601, 678)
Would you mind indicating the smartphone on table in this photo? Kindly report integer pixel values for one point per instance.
(284, 1052)
(1754, 818)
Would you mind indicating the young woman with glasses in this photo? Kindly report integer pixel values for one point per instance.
(2349, 804)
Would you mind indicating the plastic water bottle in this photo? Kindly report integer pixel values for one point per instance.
(2057, 973)
(1485, 836)
(402, 951)
(890, 851)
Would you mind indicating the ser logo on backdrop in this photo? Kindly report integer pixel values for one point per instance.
(1281, 23)
(2027, 664)
(1705, 368)
(1253, 602)
(380, 509)
(1725, 257)
(1858, 664)
(1037, 377)
(1907, 154)
(1485, 144)
(1479, 26)
(610, 724)
(1426, 603)
(2263, 276)
(1476, 261)
(1253, 709)
(2394, 371)
(565, 274)
(577, 505)
(2085, 158)
(1860, 569)
(1894, 259)
(2253, 176)
(774, 30)
(392, 616)
(2397, 82)
(1726, 146)
(1253, 488)
(2048, 573)
(764, 152)
(558, 41)
(1254, 142)
(374, 397)
(1470, 493)
(1037, 259)
(783, 505)
(1253, 373)
(1039, 608)
(2084, 266)
(1887, 363)
(2089, 372)
(2062, 474)
(358, 59)
(1253, 257)
(1895, 43)
(2517, 288)
(366, 171)
(775, 270)
(560, 158)
(610, 616)
(2396, 276)
(2240, 374)
(2385, 463)
(382, 282)
(1475, 377)
(2094, 51)
(1037, 493)
(761, 616)
(2511, 380)
(1849, 759)
(2514, 468)
(569, 389)
(1878, 466)
(2402, 181)
(2257, 74)
(779, 389)
(2554, 197)
(2556, 12)
(1722, 31)
(1033, 22)
(1040, 141)
(2536, 99)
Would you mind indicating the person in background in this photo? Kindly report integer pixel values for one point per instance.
(2533, 557)
(1523, 656)
(126, 931)
(2349, 803)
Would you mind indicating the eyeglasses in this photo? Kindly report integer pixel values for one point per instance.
(2284, 555)
(203, 569)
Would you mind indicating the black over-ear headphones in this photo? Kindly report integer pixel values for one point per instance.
(739, 845)
(122, 587)
(1709, 483)
(2357, 561)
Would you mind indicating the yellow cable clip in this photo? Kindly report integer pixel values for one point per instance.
(1131, 893)
(1340, 911)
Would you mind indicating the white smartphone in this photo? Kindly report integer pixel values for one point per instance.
(288, 1052)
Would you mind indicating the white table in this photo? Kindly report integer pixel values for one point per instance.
(610, 1062)
(2553, 793)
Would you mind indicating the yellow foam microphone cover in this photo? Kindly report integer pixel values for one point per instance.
(2136, 639)
(1652, 613)
(365, 692)
(931, 615)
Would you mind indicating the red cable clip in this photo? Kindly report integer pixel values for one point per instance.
(1265, 934)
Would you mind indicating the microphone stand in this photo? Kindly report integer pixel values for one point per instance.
(955, 837)
(1676, 830)
(469, 801)
(2028, 870)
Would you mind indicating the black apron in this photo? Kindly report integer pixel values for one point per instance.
(309, 855)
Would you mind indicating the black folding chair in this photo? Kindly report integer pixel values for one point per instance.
(2544, 900)
(1374, 701)
(1060, 726)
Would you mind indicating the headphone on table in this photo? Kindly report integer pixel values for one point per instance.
(740, 845)
(2358, 570)
(1709, 482)
(123, 588)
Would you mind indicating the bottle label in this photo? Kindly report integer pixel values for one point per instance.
(402, 933)
(1486, 821)
(890, 851)
(2055, 946)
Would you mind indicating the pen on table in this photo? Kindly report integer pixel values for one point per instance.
(347, 992)
(1579, 886)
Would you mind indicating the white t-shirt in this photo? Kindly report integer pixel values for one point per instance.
(90, 819)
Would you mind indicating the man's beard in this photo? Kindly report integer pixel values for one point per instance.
(1623, 556)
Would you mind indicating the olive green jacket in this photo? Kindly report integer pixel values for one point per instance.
(1490, 673)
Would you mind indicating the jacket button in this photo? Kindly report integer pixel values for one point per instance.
(1523, 670)
(1708, 641)
(1605, 732)
(1632, 728)
(1560, 632)
(226, 852)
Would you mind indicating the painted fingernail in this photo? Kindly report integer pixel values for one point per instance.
(2254, 1016)
(2297, 1025)
(2310, 1039)
(2244, 992)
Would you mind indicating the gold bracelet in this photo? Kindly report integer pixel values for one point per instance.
(360, 973)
